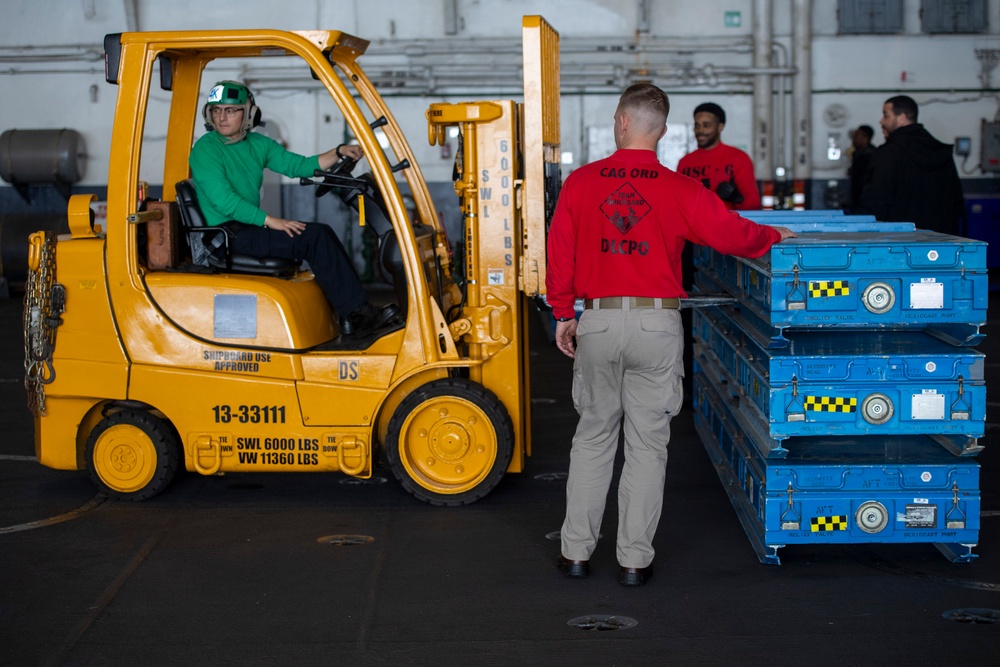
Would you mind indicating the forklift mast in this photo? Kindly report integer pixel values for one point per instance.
(508, 182)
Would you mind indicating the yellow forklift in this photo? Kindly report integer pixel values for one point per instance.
(136, 366)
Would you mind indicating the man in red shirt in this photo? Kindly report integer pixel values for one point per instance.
(725, 170)
(615, 241)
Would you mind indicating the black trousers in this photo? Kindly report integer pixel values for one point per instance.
(318, 245)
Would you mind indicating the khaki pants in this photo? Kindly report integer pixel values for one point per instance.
(628, 366)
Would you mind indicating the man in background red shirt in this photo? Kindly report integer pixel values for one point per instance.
(725, 170)
(615, 241)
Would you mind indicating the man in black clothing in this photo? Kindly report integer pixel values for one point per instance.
(861, 160)
(913, 176)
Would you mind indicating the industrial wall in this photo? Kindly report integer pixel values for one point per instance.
(792, 84)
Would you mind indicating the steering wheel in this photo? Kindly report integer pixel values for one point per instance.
(342, 167)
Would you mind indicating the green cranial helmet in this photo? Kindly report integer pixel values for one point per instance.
(229, 92)
(233, 93)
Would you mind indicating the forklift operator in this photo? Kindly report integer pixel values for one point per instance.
(227, 167)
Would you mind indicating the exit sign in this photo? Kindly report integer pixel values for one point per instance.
(733, 19)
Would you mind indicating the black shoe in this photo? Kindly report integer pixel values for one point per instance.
(635, 576)
(574, 569)
(366, 319)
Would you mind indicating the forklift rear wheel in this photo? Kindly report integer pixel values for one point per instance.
(132, 455)
(450, 442)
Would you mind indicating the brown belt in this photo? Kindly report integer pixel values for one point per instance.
(632, 303)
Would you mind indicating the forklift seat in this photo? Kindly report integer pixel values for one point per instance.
(216, 240)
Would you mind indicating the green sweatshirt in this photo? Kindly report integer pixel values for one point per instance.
(227, 177)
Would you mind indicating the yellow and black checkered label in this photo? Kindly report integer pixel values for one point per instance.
(831, 404)
(823, 524)
(818, 288)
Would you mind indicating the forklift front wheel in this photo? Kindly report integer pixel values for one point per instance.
(450, 442)
(132, 455)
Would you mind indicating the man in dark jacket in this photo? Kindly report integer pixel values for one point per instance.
(913, 176)
(861, 160)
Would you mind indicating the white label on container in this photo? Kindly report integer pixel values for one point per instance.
(495, 277)
(920, 516)
(922, 501)
(926, 295)
(928, 405)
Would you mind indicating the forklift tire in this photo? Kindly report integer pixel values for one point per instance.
(132, 455)
(449, 442)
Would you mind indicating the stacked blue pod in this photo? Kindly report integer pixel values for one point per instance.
(839, 398)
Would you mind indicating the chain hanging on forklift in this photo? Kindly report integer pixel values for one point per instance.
(44, 302)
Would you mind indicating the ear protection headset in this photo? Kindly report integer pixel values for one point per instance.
(232, 93)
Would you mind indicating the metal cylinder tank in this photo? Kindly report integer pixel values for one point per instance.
(42, 156)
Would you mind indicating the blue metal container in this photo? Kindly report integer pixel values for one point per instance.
(826, 221)
(897, 489)
(849, 383)
(858, 280)
(791, 213)
(726, 269)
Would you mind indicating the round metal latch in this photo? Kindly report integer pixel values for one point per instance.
(879, 298)
(872, 517)
(877, 409)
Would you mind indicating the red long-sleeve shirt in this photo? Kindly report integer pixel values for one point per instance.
(621, 223)
(722, 163)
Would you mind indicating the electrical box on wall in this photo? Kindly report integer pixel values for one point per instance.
(990, 147)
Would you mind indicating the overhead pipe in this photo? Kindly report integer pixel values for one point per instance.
(802, 89)
(644, 13)
(754, 71)
(86, 53)
(451, 19)
(490, 80)
(413, 67)
(420, 48)
(781, 106)
(415, 48)
(132, 15)
(763, 126)
(20, 71)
